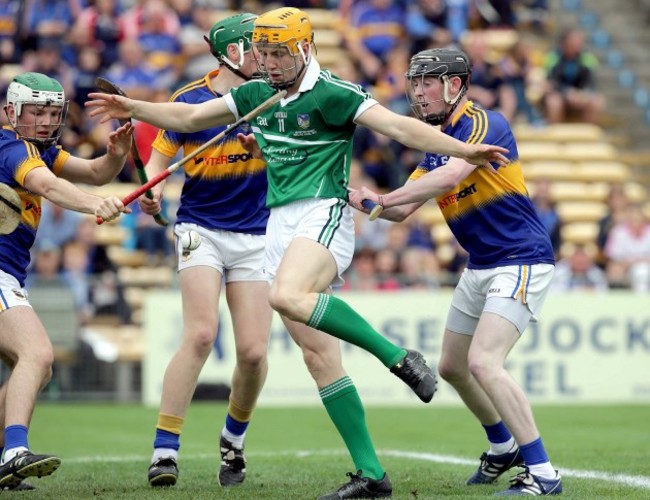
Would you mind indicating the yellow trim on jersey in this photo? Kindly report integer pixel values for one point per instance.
(417, 173)
(164, 146)
(214, 162)
(205, 81)
(61, 157)
(160, 143)
(461, 112)
(31, 203)
(481, 188)
(32, 161)
(479, 125)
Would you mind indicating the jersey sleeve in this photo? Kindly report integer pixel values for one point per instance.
(248, 96)
(488, 127)
(59, 160)
(427, 164)
(25, 157)
(168, 142)
(344, 101)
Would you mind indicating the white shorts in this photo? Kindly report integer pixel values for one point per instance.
(11, 294)
(237, 256)
(516, 293)
(327, 221)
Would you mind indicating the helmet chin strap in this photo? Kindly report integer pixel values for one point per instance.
(234, 68)
(236, 71)
(305, 60)
(441, 118)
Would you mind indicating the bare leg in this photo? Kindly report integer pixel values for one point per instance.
(493, 340)
(200, 288)
(251, 315)
(454, 368)
(25, 342)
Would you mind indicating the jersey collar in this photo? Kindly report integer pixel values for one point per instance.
(461, 112)
(311, 76)
(208, 81)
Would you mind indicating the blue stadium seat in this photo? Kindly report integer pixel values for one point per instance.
(614, 58)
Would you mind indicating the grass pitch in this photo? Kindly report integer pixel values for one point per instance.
(295, 453)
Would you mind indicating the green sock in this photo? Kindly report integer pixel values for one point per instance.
(335, 317)
(344, 407)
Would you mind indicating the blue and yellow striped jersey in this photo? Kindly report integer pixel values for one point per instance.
(17, 158)
(225, 188)
(491, 215)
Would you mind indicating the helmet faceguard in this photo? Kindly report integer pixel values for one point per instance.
(41, 91)
(282, 33)
(441, 64)
(235, 29)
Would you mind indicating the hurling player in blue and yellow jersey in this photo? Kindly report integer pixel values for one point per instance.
(224, 200)
(32, 165)
(306, 140)
(509, 271)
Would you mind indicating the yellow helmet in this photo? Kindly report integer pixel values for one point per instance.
(286, 25)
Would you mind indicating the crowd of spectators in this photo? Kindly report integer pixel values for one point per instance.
(152, 47)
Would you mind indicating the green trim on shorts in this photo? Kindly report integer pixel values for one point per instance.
(333, 222)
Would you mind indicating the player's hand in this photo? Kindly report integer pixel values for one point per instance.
(109, 106)
(249, 143)
(356, 197)
(484, 154)
(110, 208)
(119, 141)
(151, 206)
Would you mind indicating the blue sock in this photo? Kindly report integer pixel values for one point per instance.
(166, 439)
(15, 436)
(497, 433)
(534, 453)
(235, 427)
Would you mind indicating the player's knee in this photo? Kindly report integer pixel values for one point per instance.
(479, 368)
(284, 302)
(47, 376)
(452, 372)
(252, 358)
(201, 340)
(42, 362)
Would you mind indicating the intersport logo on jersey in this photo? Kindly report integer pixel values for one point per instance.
(455, 197)
(223, 159)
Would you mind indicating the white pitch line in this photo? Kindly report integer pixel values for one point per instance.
(627, 480)
(642, 482)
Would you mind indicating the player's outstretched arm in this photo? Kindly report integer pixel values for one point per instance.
(418, 135)
(395, 213)
(433, 184)
(102, 170)
(65, 194)
(176, 116)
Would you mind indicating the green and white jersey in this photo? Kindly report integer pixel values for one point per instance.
(307, 138)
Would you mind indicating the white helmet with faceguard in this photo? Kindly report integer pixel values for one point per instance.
(441, 64)
(39, 90)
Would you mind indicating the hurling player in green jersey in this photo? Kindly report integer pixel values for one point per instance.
(306, 140)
